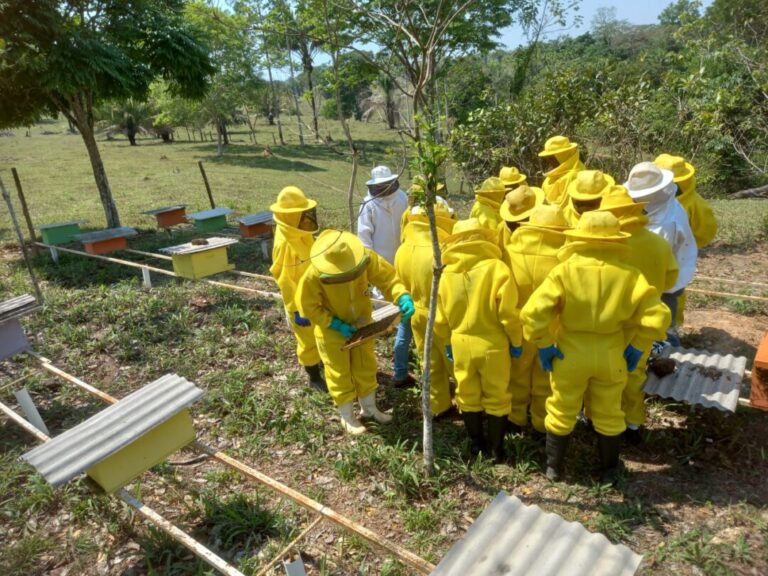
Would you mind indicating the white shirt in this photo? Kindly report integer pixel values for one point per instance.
(668, 219)
(378, 224)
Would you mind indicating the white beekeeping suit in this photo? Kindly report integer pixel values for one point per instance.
(666, 216)
(378, 224)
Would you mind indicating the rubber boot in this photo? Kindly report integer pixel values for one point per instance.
(610, 466)
(368, 409)
(349, 422)
(497, 429)
(557, 446)
(473, 422)
(316, 380)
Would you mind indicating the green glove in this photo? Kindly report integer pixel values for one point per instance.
(342, 327)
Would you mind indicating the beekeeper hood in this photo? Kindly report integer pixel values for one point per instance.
(649, 183)
(492, 188)
(511, 176)
(683, 172)
(294, 209)
(338, 256)
(520, 203)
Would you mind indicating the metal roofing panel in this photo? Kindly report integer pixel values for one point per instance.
(258, 218)
(711, 380)
(17, 307)
(213, 213)
(76, 450)
(189, 248)
(107, 234)
(57, 224)
(156, 211)
(510, 538)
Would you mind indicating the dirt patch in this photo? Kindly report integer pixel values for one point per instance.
(749, 266)
(716, 330)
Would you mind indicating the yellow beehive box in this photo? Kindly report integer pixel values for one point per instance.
(129, 462)
(201, 258)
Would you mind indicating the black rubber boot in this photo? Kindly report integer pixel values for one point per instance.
(513, 428)
(473, 422)
(610, 466)
(316, 380)
(497, 429)
(557, 446)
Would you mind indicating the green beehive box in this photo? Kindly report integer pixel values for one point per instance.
(211, 224)
(117, 470)
(210, 220)
(63, 233)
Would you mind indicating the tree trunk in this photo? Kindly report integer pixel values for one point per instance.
(390, 104)
(224, 132)
(82, 116)
(219, 143)
(308, 71)
(131, 136)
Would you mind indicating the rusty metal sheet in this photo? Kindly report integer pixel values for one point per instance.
(190, 248)
(70, 454)
(704, 378)
(107, 234)
(512, 539)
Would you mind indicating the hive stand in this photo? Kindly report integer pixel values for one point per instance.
(169, 216)
(124, 440)
(195, 261)
(210, 220)
(12, 337)
(106, 241)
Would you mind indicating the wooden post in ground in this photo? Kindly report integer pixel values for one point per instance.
(207, 185)
(20, 235)
(25, 210)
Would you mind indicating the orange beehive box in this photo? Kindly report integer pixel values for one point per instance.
(259, 224)
(169, 216)
(758, 395)
(106, 241)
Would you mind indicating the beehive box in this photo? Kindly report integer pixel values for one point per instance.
(758, 395)
(169, 216)
(106, 241)
(122, 441)
(193, 260)
(259, 224)
(117, 470)
(210, 220)
(60, 233)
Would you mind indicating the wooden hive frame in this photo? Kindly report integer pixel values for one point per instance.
(382, 322)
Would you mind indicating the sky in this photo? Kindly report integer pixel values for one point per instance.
(635, 12)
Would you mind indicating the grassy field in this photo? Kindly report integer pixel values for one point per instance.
(694, 501)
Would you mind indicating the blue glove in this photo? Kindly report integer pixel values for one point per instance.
(405, 302)
(547, 356)
(342, 327)
(632, 355)
(449, 353)
(515, 351)
(300, 321)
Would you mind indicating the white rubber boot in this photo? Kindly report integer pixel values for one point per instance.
(370, 410)
(350, 424)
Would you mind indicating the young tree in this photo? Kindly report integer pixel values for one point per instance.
(65, 56)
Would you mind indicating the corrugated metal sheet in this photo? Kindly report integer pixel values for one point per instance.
(76, 450)
(213, 213)
(264, 217)
(189, 248)
(17, 307)
(510, 538)
(108, 234)
(157, 211)
(711, 380)
(57, 224)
